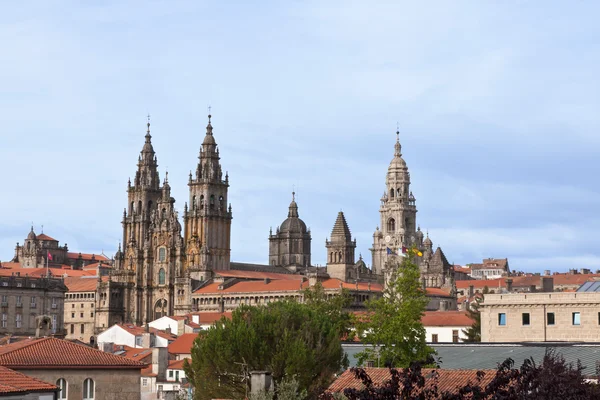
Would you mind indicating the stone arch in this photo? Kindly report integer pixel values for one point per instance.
(391, 225)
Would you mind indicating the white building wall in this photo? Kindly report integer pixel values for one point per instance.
(445, 333)
(164, 323)
(117, 335)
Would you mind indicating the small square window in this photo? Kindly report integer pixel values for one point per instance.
(455, 336)
(550, 318)
(525, 318)
(170, 373)
(434, 338)
(576, 318)
(502, 319)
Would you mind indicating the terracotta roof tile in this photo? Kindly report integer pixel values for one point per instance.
(183, 344)
(87, 256)
(41, 272)
(15, 382)
(448, 380)
(47, 353)
(446, 318)
(82, 283)
(137, 354)
(210, 317)
(139, 330)
(283, 286)
(178, 364)
(258, 275)
(43, 236)
(438, 292)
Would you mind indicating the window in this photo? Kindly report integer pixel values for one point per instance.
(82, 328)
(33, 285)
(19, 304)
(161, 276)
(92, 314)
(18, 320)
(391, 225)
(576, 318)
(455, 336)
(81, 305)
(81, 315)
(4, 319)
(170, 373)
(434, 338)
(550, 318)
(144, 381)
(62, 388)
(502, 319)
(177, 376)
(525, 318)
(4, 298)
(72, 329)
(72, 315)
(72, 305)
(88, 389)
(33, 301)
(162, 254)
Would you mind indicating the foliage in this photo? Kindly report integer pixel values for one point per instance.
(287, 338)
(473, 333)
(394, 327)
(553, 379)
(486, 290)
(287, 389)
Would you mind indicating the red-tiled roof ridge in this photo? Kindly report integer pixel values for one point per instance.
(87, 256)
(178, 364)
(258, 275)
(49, 353)
(448, 379)
(43, 236)
(16, 382)
(446, 318)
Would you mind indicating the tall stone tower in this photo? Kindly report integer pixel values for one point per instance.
(340, 250)
(398, 212)
(207, 231)
(290, 245)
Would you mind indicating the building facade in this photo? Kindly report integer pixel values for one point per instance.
(540, 317)
(31, 306)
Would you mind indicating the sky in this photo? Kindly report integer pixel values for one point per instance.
(496, 102)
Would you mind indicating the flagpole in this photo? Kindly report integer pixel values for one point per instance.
(47, 272)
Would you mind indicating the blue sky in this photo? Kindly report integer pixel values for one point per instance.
(497, 105)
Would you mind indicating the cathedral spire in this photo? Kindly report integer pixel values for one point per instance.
(293, 207)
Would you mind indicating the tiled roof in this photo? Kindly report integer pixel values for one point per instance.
(438, 292)
(82, 284)
(448, 380)
(257, 275)
(210, 317)
(284, 286)
(48, 353)
(183, 344)
(446, 318)
(41, 272)
(43, 236)
(134, 353)
(139, 330)
(86, 256)
(177, 364)
(12, 382)
(481, 283)
(96, 265)
(147, 372)
(340, 228)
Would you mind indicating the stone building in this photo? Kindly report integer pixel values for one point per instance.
(80, 372)
(31, 306)
(540, 317)
(289, 247)
(80, 309)
(399, 230)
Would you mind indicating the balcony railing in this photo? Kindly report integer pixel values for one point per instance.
(19, 305)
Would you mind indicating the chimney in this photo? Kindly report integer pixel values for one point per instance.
(509, 287)
(160, 362)
(267, 281)
(471, 291)
(547, 284)
(108, 347)
(260, 381)
(547, 272)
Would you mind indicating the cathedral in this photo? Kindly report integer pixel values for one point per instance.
(163, 268)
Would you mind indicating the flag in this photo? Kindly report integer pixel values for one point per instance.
(49, 256)
(419, 254)
(390, 251)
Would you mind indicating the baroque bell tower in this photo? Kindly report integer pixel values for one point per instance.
(398, 212)
(207, 231)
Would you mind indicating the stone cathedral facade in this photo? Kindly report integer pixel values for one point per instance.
(161, 264)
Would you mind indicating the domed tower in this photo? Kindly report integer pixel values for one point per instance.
(207, 231)
(290, 246)
(398, 212)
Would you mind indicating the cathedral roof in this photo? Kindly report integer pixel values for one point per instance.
(148, 143)
(439, 257)
(209, 138)
(340, 228)
(397, 162)
(31, 235)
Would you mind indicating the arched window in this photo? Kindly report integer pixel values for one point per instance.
(164, 213)
(212, 201)
(162, 254)
(391, 225)
(161, 276)
(194, 203)
(131, 208)
(139, 207)
(149, 205)
(88, 389)
(202, 201)
(220, 202)
(62, 389)
(392, 193)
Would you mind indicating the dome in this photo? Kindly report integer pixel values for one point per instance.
(427, 242)
(209, 139)
(293, 225)
(31, 235)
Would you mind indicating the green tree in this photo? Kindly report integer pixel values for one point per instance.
(473, 333)
(289, 339)
(287, 389)
(393, 325)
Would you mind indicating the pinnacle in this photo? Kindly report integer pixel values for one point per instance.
(340, 228)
